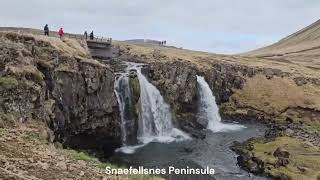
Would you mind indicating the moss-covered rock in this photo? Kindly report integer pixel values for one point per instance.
(303, 162)
(135, 91)
(135, 88)
(7, 120)
(8, 82)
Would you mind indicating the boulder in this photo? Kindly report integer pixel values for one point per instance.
(302, 169)
(282, 162)
(281, 153)
(289, 132)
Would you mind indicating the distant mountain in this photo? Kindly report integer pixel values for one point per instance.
(306, 40)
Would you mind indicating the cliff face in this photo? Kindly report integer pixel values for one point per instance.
(55, 81)
(86, 111)
(178, 84)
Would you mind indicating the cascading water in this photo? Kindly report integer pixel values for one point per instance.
(155, 118)
(210, 110)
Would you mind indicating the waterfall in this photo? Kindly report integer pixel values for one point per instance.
(209, 109)
(155, 119)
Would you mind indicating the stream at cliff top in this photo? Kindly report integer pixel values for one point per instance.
(151, 140)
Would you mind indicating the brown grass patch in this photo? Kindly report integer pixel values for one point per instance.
(276, 95)
(301, 155)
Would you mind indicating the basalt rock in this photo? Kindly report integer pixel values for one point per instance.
(282, 162)
(246, 158)
(66, 89)
(86, 114)
(281, 153)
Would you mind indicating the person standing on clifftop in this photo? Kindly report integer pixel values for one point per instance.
(85, 35)
(91, 35)
(46, 30)
(61, 32)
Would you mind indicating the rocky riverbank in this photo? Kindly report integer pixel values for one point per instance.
(288, 151)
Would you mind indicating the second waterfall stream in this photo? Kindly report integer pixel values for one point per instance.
(209, 109)
(155, 119)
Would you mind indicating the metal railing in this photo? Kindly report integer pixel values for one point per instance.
(95, 38)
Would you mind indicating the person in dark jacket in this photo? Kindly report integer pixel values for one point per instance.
(46, 30)
(85, 35)
(91, 35)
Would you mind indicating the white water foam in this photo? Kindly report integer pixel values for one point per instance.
(209, 109)
(130, 149)
(155, 118)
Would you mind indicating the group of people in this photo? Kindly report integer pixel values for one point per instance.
(91, 36)
(46, 31)
(162, 43)
(61, 32)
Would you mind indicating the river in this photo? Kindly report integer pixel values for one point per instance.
(213, 151)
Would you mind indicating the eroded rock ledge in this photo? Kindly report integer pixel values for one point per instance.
(54, 81)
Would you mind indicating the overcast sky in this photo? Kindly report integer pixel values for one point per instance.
(222, 26)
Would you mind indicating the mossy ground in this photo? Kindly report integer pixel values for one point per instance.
(25, 148)
(12, 82)
(315, 127)
(8, 82)
(7, 120)
(88, 158)
(302, 155)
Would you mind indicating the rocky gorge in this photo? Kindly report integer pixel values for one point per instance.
(279, 94)
(244, 92)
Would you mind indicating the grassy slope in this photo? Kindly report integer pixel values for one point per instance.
(277, 94)
(301, 48)
(25, 153)
(303, 40)
(302, 155)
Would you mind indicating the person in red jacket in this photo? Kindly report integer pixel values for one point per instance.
(61, 32)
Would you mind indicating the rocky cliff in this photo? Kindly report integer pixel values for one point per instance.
(246, 88)
(55, 81)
